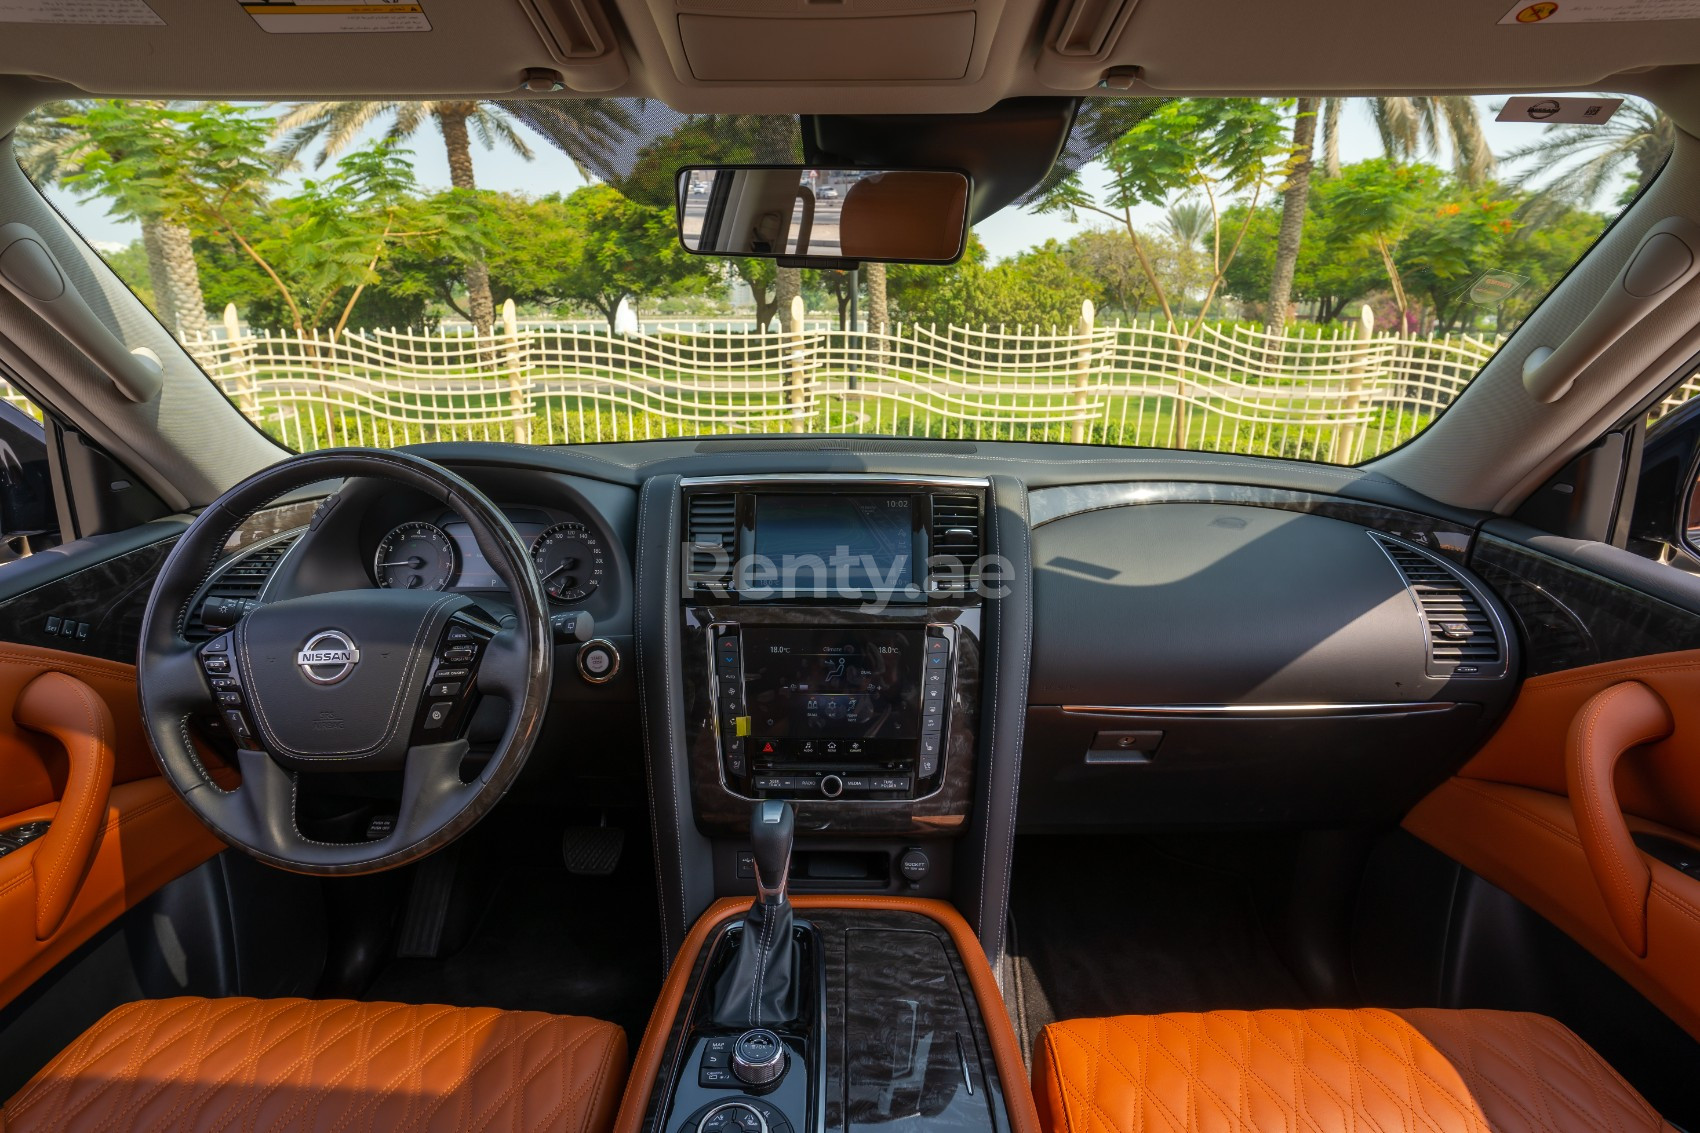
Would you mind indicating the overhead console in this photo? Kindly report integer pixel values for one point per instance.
(832, 636)
(827, 41)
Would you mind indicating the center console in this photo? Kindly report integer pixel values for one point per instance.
(832, 635)
(849, 1015)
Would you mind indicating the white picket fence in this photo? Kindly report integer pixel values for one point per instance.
(1339, 394)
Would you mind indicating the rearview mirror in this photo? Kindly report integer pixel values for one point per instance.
(789, 211)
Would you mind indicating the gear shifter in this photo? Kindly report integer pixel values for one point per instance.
(759, 988)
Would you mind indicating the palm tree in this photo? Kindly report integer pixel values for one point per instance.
(1295, 200)
(1591, 156)
(1408, 126)
(1189, 223)
(52, 143)
(337, 125)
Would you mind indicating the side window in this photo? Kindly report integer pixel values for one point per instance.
(28, 521)
(1665, 524)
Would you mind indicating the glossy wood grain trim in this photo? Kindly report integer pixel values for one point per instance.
(649, 1068)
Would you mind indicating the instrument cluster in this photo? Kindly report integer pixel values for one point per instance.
(441, 554)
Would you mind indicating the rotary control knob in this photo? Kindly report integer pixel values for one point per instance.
(758, 1057)
(733, 1117)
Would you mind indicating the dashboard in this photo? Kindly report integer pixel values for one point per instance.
(1197, 650)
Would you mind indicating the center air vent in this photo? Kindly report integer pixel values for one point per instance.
(1465, 639)
(243, 578)
(711, 526)
(956, 548)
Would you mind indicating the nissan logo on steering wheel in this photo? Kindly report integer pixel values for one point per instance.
(328, 656)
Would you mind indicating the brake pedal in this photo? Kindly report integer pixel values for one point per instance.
(592, 851)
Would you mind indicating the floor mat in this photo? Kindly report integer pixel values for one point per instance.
(1122, 926)
(551, 941)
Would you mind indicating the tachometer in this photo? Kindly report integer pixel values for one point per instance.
(415, 556)
(569, 560)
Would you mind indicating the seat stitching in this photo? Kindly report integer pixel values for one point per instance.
(1409, 1056)
(513, 1069)
(413, 1031)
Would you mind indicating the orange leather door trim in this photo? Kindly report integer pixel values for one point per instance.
(149, 838)
(71, 712)
(122, 846)
(1509, 816)
(1622, 717)
(32, 771)
(1006, 1051)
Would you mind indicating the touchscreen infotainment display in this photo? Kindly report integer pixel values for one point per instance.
(825, 543)
(856, 689)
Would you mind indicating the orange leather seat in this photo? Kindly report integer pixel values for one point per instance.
(1421, 1071)
(188, 1065)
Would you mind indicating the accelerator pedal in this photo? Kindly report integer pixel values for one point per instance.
(592, 851)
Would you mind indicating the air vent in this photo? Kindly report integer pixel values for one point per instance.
(954, 566)
(242, 578)
(1464, 639)
(711, 524)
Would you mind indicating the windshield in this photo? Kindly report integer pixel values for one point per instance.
(1308, 278)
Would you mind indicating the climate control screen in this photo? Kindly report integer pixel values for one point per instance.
(851, 688)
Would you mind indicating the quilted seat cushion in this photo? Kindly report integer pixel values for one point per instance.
(193, 1065)
(1365, 1071)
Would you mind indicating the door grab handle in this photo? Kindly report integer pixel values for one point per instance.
(1665, 260)
(1613, 721)
(72, 713)
(29, 271)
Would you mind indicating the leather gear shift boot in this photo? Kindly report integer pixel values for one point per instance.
(760, 987)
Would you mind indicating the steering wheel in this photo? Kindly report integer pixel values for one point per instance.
(346, 681)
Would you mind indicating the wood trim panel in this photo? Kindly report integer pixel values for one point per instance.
(1012, 1072)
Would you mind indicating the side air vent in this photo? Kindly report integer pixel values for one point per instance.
(242, 579)
(956, 546)
(1464, 638)
(711, 525)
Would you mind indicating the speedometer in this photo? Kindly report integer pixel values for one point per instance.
(569, 560)
(415, 556)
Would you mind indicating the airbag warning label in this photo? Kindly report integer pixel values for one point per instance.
(116, 13)
(334, 16)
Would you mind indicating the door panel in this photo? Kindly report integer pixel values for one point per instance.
(1508, 816)
(60, 889)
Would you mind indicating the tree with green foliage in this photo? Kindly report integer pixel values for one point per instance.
(623, 249)
(1041, 288)
(597, 126)
(1412, 126)
(1214, 147)
(1106, 257)
(58, 143)
(1381, 202)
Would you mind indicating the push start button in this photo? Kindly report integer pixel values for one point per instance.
(598, 661)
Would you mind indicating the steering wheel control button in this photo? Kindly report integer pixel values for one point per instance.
(443, 688)
(438, 714)
(758, 1057)
(598, 661)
